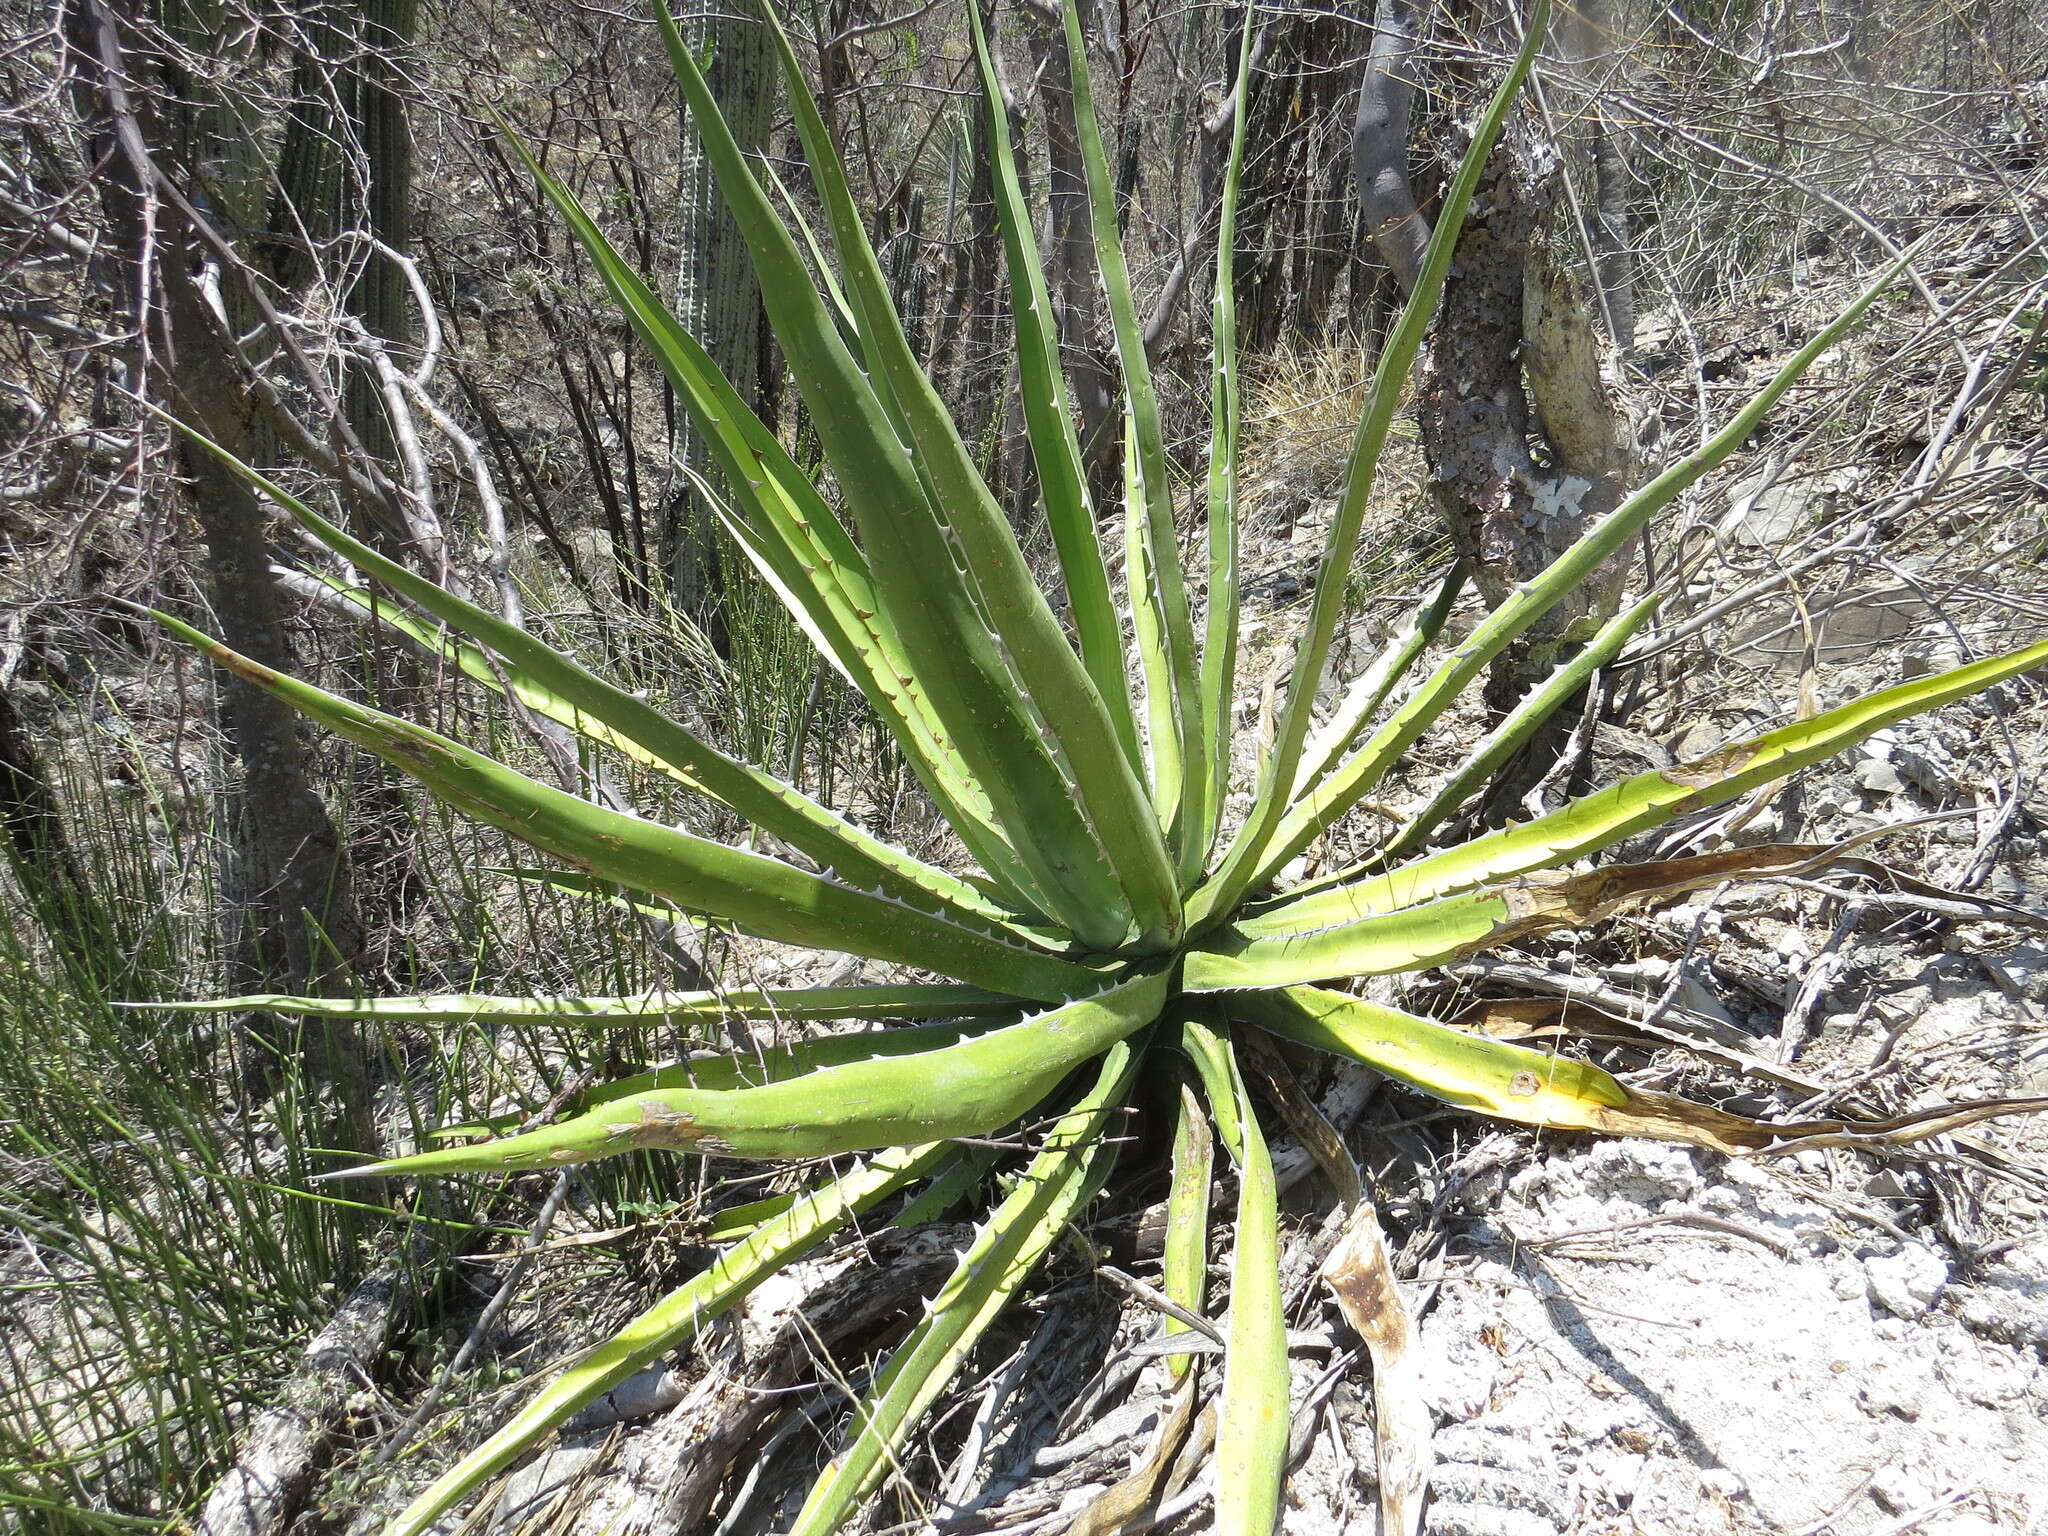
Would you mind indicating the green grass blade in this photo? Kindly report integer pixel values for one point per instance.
(1251, 859)
(1007, 1247)
(1186, 1270)
(922, 582)
(672, 1321)
(1078, 724)
(969, 1087)
(1176, 694)
(1648, 800)
(1504, 740)
(1494, 1077)
(1252, 1414)
(1357, 775)
(1163, 735)
(1219, 637)
(1049, 420)
(763, 895)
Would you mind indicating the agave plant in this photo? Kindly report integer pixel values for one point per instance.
(1121, 933)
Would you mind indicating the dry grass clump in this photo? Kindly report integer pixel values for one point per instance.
(1301, 408)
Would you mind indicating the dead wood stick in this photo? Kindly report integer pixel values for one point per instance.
(766, 1349)
(271, 1479)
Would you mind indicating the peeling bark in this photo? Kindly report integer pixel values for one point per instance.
(1526, 428)
(1573, 380)
(1474, 411)
(1513, 361)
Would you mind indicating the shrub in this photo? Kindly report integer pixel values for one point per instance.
(1120, 929)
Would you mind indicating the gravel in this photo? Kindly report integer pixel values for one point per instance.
(1633, 1336)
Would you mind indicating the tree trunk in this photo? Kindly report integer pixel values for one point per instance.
(382, 828)
(379, 298)
(382, 299)
(344, 166)
(290, 886)
(1613, 240)
(1293, 208)
(1380, 142)
(1512, 356)
(1474, 411)
(717, 297)
(292, 915)
(302, 933)
(1513, 348)
(1589, 34)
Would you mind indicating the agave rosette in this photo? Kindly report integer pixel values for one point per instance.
(1117, 925)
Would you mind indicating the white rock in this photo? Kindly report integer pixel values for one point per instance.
(1762, 513)
(1907, 1283)
(2010, 1302)
(1879, 777)
(1901, 1488)
(1720, 1480)
(1903, 1386)
(1789, 1373)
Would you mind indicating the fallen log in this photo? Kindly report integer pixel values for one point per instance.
(292, 1439)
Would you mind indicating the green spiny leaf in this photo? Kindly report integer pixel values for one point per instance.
(970, 1086)
(1077, 722)
(1358, 774)
(1004, 1252)
(1253, 1413)
(1648, 800)
(761, 894)
(1254, 854)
